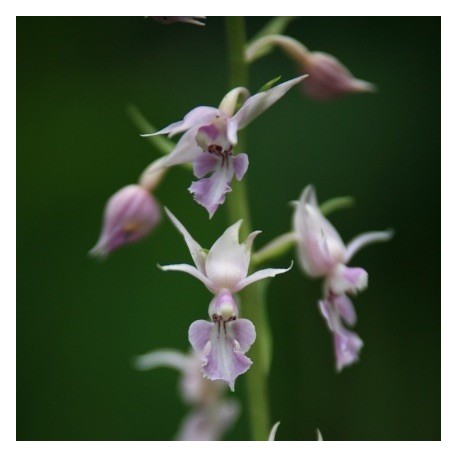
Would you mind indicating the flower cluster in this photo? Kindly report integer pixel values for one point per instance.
(322, 254)
(209, 136)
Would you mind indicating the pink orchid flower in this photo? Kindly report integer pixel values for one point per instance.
(322, 253)
(225, 339)
(210, 135)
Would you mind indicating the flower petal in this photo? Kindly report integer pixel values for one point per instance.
(329, 315)
(191, 270)
(347, 280)
(366, 239)
(232, 128)
(347, 346)
(211, 192)
(273, 431)
(224, 360)
(204, 164)
(240, 164)
(209, 423)
(308, 196)
(186, 150)
(344, 307)
(260, 275)
(197, 253)
(258, 103)
(195, 117)
(227, 261)
(199, 334)
(320, 246)
(162, 358)
(244, 333)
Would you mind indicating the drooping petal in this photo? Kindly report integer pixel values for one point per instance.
(329, 315)
(319, 437)
(186, 150)
(191, 270)
(347, 280)
(347, 346)
(196, 117)
(199, 334)
(366, 239)
(344, 307)
(258, 103)
(244, 333)
(225, 359)
(211, 192)
(259, 275)
(273, 431)
(240, 164)
(162, 358)
(197, 253)
(209, 423)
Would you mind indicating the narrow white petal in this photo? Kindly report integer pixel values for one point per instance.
(197, 253)
(273, 431)
(191, 270)
(258, 103)
(308, 196)
(260, 275)
(319, 437)
(161, 358)
(366, 239)
(195, 117)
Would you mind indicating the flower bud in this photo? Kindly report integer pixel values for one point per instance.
(130, 214)
(329, 79)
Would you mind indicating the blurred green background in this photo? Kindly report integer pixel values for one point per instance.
(79, 322)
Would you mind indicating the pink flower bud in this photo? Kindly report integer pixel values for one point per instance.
(130, 214)
(329, 79)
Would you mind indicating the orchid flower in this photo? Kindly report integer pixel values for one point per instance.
(130, 214)
(322, 253)
(225, 339)
(210, 135)
(212, 415)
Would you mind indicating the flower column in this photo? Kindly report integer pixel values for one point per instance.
(252, 296)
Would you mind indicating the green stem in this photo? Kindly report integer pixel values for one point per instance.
(252, 297)
(276, 248)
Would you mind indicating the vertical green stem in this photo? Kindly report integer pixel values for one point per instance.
(252, 297)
